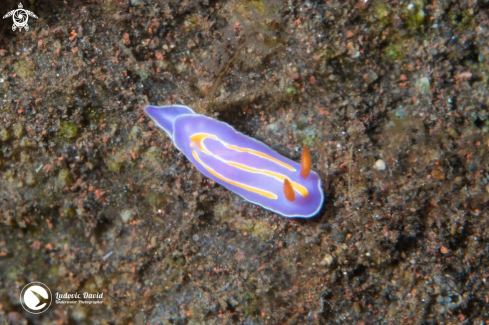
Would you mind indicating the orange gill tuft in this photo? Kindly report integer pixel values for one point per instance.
(289, 190)
(305, 162)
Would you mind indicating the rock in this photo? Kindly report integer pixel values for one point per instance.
(380, 165)
(327, 260)
(371, 77)
(126, 215)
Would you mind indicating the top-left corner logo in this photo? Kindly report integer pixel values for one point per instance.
(20, 17)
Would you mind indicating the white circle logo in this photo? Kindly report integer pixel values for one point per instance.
(36, 297)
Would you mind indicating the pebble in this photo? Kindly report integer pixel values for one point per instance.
(371, 77)
(327, 260)
(126, 215)
(380, 165)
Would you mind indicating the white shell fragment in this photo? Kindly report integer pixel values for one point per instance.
(327, 260)
(126, 215)
(380, 165)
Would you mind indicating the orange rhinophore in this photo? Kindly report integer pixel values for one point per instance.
(289, 190)
(305, 162)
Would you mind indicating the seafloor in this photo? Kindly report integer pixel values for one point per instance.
(391, 97)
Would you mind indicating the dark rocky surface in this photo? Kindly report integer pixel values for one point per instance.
(391, 97)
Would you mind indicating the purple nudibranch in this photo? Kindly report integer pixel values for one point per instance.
(241, 164)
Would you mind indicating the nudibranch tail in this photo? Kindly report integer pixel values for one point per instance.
(305, 162)
(289, 191)
(165, 116)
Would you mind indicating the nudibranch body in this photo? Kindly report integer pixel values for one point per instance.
(242, 164)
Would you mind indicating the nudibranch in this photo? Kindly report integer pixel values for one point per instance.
(242, 164)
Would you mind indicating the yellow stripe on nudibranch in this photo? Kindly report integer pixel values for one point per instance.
(199, 138)
(260, 154)
(227, 180)
(298, 187)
